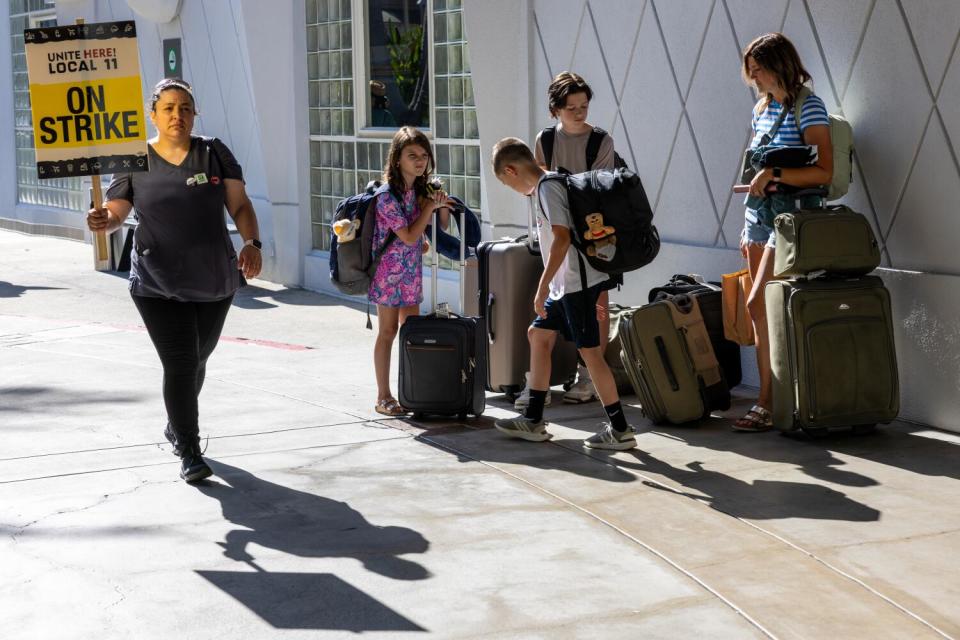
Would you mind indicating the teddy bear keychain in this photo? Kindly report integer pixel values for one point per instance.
(601, 236)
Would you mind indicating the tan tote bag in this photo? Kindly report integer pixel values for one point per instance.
(737, 325)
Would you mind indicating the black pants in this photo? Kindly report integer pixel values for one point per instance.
(184, 334)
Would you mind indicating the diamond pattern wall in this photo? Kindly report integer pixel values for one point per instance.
(666, 74)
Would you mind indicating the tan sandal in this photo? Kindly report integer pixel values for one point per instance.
(390, 407)
(756, 420)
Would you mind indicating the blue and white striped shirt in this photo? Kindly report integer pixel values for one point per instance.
(788, 135)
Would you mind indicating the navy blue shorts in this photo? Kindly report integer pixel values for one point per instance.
(574, 316)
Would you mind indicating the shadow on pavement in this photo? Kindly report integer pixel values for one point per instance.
(309, 526)
(810, 457)
(309, 601)
(498, 448)
(254, 297)
(48, 399)
(757, 500)
(10, 290)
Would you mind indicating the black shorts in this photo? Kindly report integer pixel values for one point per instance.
(574, 316)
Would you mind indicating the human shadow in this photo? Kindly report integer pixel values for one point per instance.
(10, 290)
(308, 525)
(757, 500)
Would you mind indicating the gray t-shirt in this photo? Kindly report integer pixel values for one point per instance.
(570, 152)
(182, 249)
(554, 209)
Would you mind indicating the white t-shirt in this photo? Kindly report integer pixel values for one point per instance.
(553, 208)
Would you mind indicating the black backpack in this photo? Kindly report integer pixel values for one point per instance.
(612, 219)
(353, 263)
(548, 135)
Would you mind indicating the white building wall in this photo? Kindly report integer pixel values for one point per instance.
(666, 77)
(244, 59)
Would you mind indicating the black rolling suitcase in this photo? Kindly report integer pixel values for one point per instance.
(710, 299)
(442, 356)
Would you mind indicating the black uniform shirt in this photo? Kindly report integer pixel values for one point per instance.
(182, 249)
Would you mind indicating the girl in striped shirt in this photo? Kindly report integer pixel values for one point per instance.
(772, 66)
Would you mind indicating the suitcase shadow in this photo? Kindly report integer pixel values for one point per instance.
(756, 500)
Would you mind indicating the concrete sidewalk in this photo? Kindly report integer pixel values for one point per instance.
(325, 521)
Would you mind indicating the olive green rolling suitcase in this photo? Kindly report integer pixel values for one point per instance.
(669, 359)
(832, 353)
(837, 240)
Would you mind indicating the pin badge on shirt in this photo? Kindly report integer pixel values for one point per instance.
(200, 178)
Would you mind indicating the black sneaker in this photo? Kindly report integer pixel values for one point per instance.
(193, 468)
(172, 439)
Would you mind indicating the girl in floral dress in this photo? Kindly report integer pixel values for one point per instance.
(404, 211)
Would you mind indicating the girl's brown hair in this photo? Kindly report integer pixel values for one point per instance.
(564, 85)
(775, 53)
(404, 137)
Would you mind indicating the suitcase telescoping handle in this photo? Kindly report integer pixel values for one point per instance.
(435, 263)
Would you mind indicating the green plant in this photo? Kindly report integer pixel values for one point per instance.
(405, 48)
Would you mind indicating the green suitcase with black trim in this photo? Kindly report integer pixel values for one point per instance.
(832, 353)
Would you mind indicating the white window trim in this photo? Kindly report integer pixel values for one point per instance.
(42, 15)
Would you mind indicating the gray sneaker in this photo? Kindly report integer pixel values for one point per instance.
(523, 428)
(607, 438)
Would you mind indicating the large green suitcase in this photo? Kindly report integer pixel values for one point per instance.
(669, 359)
(837, 240)
(832, 353)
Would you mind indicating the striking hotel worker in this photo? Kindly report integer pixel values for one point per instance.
(184, 269)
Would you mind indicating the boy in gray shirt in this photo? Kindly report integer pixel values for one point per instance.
(562, 304)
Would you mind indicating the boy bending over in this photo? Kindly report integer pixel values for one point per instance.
(561, 303)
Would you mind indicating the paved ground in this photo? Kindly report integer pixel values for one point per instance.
(324, 521)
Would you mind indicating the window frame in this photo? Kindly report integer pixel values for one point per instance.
(361, 70)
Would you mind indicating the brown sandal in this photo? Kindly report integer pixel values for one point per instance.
(390, 407)
(756, 420)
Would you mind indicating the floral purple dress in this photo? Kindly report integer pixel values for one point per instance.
(398, 281)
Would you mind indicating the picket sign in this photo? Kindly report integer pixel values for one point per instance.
(87, 105)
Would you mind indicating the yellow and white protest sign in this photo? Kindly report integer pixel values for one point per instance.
(86, 100)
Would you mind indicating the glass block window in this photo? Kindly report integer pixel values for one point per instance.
(456, 134)
(456, 111)
(63, 193)
(330, 67)
(332, 178)
(371, 158)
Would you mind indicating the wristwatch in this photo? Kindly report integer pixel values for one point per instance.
(255, 243)
(776, 174)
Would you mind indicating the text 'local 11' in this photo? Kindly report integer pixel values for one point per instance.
(86, 99)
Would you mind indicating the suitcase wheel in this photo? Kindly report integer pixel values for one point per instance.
(462, 416)
(816, 432)
(418, 416)
(864, 429)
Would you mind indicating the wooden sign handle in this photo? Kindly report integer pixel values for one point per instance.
(101, 252)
